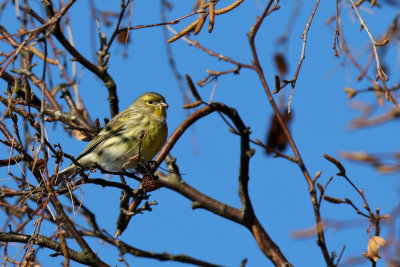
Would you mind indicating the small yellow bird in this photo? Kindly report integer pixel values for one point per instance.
(139, 131)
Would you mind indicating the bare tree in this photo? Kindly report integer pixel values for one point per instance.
(39, 68)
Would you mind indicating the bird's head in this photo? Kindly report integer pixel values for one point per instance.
(152, 102)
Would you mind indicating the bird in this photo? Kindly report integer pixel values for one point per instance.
(135, 134)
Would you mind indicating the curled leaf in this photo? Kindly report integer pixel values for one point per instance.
(374, 244)
(280, 64)
(123, 37)
(276, 137)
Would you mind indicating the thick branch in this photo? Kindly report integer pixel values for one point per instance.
(245, 217)
(44, 241)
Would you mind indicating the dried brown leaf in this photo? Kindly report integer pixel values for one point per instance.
(123, 37)
(276, 137)
(384, 169)
(374, 244)
(385, 217)
(78, 135)
(358, 156)
(306, 233)
(350, 92)
(280, 64)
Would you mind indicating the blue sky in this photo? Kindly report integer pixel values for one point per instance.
(208, 156)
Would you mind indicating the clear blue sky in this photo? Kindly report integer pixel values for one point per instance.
(208, 156)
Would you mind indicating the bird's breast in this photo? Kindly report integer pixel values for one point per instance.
(154, 138)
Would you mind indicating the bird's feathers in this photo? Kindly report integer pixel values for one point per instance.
(140, 129)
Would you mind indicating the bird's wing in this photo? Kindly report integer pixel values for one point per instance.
(115, 127)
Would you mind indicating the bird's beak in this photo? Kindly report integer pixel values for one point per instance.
(163, 106)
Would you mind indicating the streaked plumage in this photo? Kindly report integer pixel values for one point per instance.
(120, 140)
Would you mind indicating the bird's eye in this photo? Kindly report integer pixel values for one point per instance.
(150, 102)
